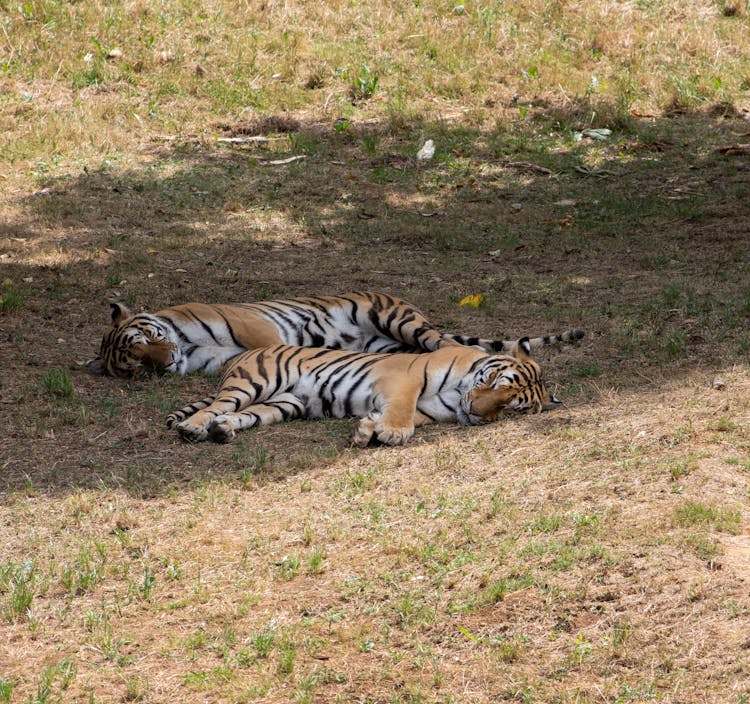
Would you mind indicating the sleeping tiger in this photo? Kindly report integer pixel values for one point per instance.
(198, 336)
(390, 393)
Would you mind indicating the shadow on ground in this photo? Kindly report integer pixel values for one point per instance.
(639, 238)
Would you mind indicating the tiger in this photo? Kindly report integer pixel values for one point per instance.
(391, 393)
(203, 337)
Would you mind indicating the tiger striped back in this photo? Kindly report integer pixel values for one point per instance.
(202, 337)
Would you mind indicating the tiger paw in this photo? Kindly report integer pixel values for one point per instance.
(394, 436)
(364, 432)
(191, 432)
(222, 429)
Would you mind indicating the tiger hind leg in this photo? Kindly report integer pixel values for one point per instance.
(193, 421)
(278, 409)
(364, 433)
(187, 411)
(197, 418)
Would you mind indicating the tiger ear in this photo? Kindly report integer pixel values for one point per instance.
(119, 313)
(522, 349)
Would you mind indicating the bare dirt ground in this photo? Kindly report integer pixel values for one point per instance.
(596, 554)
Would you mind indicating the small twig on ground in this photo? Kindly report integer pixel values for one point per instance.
(282, 162)
(242, 140)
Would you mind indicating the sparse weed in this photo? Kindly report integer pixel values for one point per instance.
(545, 524)
(173, 571)
(565, 556)
(288, 567)
(148, 583)
(137, 689)
(287, 657)
(672, 293)
(305, 691)
(693, 513)
(11, 299)
(86, 571)
(375, 510)
(196, 641)
(622, 630)
(315, 561)
(681, 434)
(44, 687)
(508, 651)
(499, 504)
(675, 344)
(114, 278)
(587, 369)
(735, 609)
(18, 582)
(724, 425)
(705, 548)
(586, 522)
(67, 669)
(92, 620)
(656, 262)
(357, 481)
(628, 693)
(58, 384)
(370, 141)
(494, 592)
(105, 640)
(262, 643)
(681, 467)
(364, 84)
(411, 609)
(196, 680)
(581, 649)
(252, 462)
(61, 675)
(446, 458)
(6, 690)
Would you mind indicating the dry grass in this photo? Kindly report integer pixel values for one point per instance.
(598, 554)
(456, 569)
(70, 69)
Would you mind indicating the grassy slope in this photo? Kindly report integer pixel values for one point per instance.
(597, 554)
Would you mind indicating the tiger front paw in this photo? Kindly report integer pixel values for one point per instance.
(394, 436)
(191, 432)
(222, 429)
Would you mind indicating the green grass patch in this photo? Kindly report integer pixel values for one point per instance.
(692, 514)
(11, 299)
(18, 588)
(58, 384)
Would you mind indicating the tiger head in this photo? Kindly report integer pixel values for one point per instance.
(506, 384)
(134, 345)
